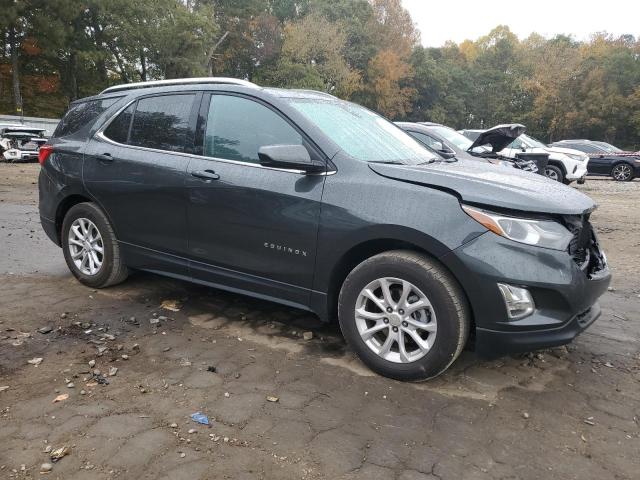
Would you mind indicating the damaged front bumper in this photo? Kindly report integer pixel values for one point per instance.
(565, 287)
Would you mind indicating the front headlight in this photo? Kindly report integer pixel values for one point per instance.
(579, 158)
(541, 233)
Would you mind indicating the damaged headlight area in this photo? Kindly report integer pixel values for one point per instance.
(537, 232)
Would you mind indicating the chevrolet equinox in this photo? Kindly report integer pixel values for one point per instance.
(301, 198)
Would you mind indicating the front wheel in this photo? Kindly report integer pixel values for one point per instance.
(404, 314)
(90, 247)
(554, 173)
(622, 172)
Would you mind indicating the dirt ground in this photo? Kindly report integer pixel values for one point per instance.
(569, 413)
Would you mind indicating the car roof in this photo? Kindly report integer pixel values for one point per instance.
(133, 90)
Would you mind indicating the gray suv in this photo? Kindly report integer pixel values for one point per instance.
(300, 198)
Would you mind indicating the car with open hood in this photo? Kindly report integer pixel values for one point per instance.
(564, 164)
(450, 143)
(300, 198)
(20, 143)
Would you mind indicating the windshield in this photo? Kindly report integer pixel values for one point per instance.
(532, 142)
(452, 136)
(361, 133)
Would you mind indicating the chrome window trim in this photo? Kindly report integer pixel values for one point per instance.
(100, 134)
(106, 139)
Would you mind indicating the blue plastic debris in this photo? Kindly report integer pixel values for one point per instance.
(200, 418)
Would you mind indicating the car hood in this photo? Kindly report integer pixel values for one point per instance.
(566, 151)
(499, 137)
(493, 185)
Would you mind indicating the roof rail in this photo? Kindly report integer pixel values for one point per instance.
(179, 81)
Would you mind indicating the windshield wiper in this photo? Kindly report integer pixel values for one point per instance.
(435, 159)
(388, 162)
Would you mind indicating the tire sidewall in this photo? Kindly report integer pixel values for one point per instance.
(629, 178)
(558, 172)
(91, 212)
(441, 354)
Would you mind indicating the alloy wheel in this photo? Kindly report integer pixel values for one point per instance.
(552, 174)
(621, 172)
(396, 320)
(86, 246)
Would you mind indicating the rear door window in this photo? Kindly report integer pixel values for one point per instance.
(161, 122)
(81, 116)
(237, 127)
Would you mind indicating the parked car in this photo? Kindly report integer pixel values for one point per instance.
(448, 142)
(301, 198)
(20, 143)
(565, 165)
(620, 165)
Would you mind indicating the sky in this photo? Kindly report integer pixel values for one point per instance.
(458, 20)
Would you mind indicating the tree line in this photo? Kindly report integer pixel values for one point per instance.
(367, 51)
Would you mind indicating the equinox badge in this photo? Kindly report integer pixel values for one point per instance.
(285, 249)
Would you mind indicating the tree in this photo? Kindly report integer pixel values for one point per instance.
(312, 57)
(14, 26)
(386, 72)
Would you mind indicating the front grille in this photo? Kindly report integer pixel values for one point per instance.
(584, 247)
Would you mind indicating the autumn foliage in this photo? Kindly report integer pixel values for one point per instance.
(367, 51)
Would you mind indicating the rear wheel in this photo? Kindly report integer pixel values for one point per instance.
(554, 173)
(90, 247)
(622, 172)
(404, 315)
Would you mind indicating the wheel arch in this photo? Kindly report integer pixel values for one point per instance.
(363, 250)
(621, 161)
(64, 206)
(558, 164)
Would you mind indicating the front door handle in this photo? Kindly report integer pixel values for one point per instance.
(207, 175)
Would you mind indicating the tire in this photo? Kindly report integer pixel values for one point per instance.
(554, 173)
(112, 269)
(622, 172)
(449, 311)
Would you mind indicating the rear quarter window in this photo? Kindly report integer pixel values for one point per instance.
(118, 129)
(81, 116)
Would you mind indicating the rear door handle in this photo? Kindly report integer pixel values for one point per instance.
(105, 158)
(207, 175)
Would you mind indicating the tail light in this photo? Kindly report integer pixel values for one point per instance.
(44, 152)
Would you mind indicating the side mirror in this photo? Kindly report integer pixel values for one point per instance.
(444, 151)
(291, 157)
(523, 148)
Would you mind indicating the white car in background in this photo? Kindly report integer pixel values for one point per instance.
(20, 143)
(565, 164)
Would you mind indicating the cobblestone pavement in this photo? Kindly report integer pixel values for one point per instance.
(568, 413)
